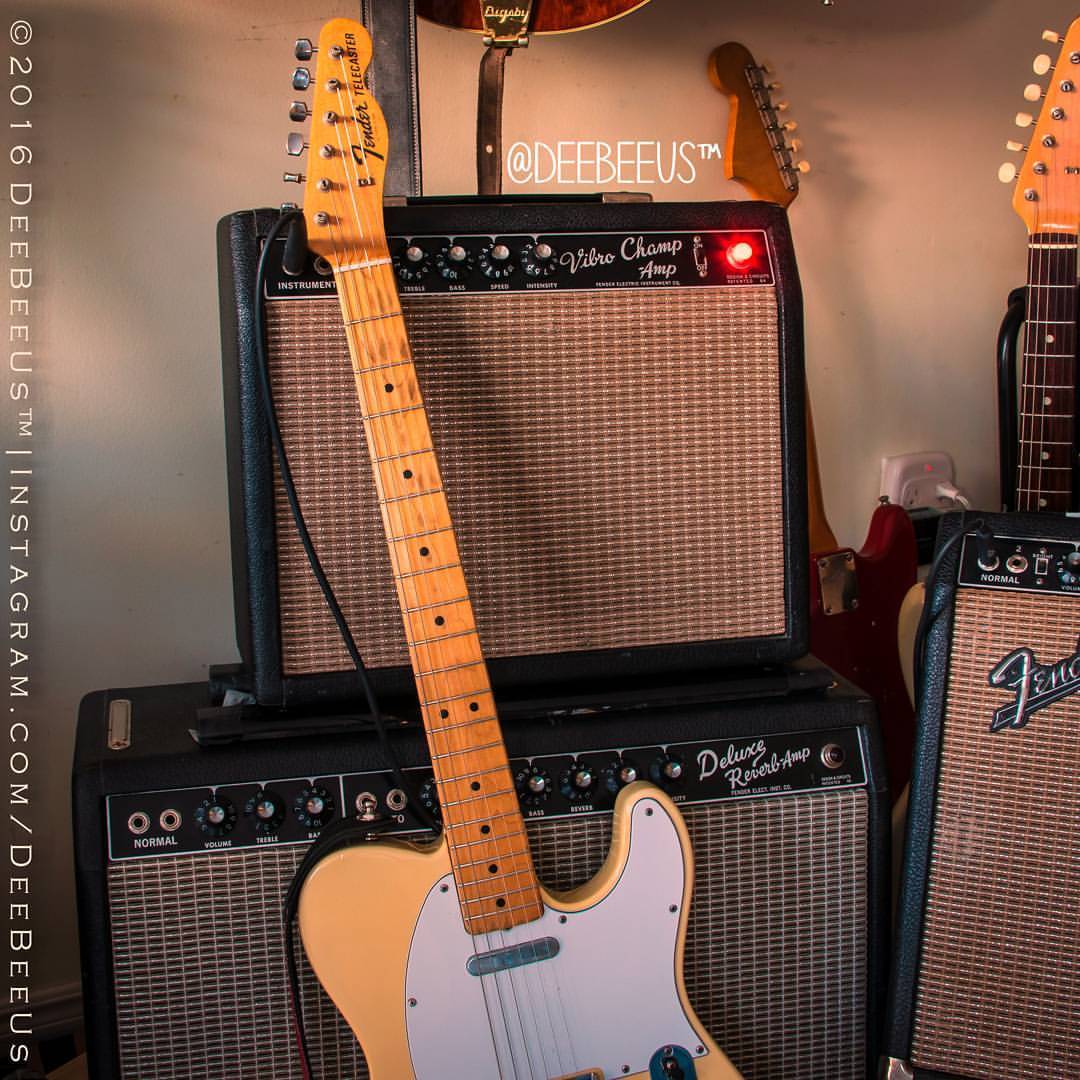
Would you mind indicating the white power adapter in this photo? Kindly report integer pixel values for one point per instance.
(921, 480)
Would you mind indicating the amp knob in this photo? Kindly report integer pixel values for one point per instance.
(314, 807)
(619, 773)
(579, 782)
(412, 263)
(454, 262)
(538, 260)
(495, 262)
(216, 816)
(267, 810)
(666, 771)
(533, 785)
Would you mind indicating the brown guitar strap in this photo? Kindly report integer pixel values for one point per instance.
(506, 27)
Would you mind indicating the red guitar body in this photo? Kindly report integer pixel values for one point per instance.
(855, 600)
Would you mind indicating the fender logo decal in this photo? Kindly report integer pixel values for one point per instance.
(1036, 685)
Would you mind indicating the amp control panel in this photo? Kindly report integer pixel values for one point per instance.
(295, 810)
(480, 262)
(1024, 565)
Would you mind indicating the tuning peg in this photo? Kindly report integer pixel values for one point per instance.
(301, 79)
(299, 112)
(1007, 173)
(1033, 92)
(1042, 64)
(766, 68)
(294, 144)
(1015, 147)
(782, 106)
(774, 87)
(803, 167)
(303, 49)
(789, 125)
(293, 178)
(1052, 36)
(1024, 119)
(795, 145)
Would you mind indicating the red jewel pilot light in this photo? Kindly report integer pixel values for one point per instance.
(740, 255)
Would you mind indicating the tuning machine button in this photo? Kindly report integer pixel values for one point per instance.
(216, 816)
(412, 263)
(495, 263)
(299, 112)
(454, 262)
(267, 811)
(303, 49)
(579, 782)
(538, 260)
(301, 79)
(295, 144)
(314, 807)
(533, 785)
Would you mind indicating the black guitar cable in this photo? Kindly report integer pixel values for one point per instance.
(353, 829)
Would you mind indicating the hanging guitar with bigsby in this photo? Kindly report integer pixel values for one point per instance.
(451, 960)
(855, 596)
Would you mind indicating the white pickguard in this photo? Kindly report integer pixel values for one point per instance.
(608, 1000)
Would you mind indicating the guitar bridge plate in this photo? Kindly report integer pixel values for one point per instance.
(839, 585)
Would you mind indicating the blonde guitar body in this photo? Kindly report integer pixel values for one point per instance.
(383, 931)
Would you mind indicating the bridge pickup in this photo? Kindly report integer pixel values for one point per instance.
(513, 956)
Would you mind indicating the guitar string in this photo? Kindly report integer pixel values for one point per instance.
(343, 283)
(382, 280)
(528, 871)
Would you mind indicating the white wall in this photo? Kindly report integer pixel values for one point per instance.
(155, 118)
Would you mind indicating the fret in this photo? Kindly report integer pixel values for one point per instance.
(514, 838)
(455, 697)
(467, 750)
(374, 318)
(515, 813)
(381, 367)
(479, 797)
(437, 603)
(411, 495)
(462, 778)
(1039, 490)
(1048, 468)
(420, 535)
(498, 895)
(1048, 416)
(403, 454)
(490, 859)
(471, 722)
(451, 667)
(394, 412)
(443, 637)
(1053, 247)
(406, 575)
(1048, 386)
(1070, 355)
(1034, 286)
(1052, 322)
(1045, 442)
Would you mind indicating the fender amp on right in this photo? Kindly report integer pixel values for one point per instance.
(616, 393)
(986, 979)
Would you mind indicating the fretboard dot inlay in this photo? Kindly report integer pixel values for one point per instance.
(493, 868)
(474, 706)
(444, 713)
(425, 552)
(485, 829)
(1046, 455)
(1042, 502)
(439, 620)
(475, 785)
(407, 474)
(501, 902)
(1047, 400)
(389, 387)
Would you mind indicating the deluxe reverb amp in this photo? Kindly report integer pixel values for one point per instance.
(184, 856)
(616, 394)
(987, 977)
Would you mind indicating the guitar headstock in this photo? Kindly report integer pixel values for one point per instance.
(1047, 192)
(757, 154)
(346, 147)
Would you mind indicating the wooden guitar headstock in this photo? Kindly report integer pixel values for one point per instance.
(347, 147)
(757, 154)
(1047, 194)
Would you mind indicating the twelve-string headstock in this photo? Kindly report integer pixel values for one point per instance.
(1047, 192)
(346, 147)
(757, 154)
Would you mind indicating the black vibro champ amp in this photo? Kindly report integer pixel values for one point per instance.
(184, 856)
(986, 981)
(616, 394)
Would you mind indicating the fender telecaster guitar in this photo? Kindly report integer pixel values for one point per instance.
(855, 596)
(451, 962)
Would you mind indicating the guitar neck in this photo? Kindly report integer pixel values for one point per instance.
(496, 882)
(1048, 385)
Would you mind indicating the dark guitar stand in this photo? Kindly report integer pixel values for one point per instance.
(1008, 403)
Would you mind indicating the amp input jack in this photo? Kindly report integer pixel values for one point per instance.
(832, 756)
(1016, 564)
(396, 800)
(170, 820)
(139, 822)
